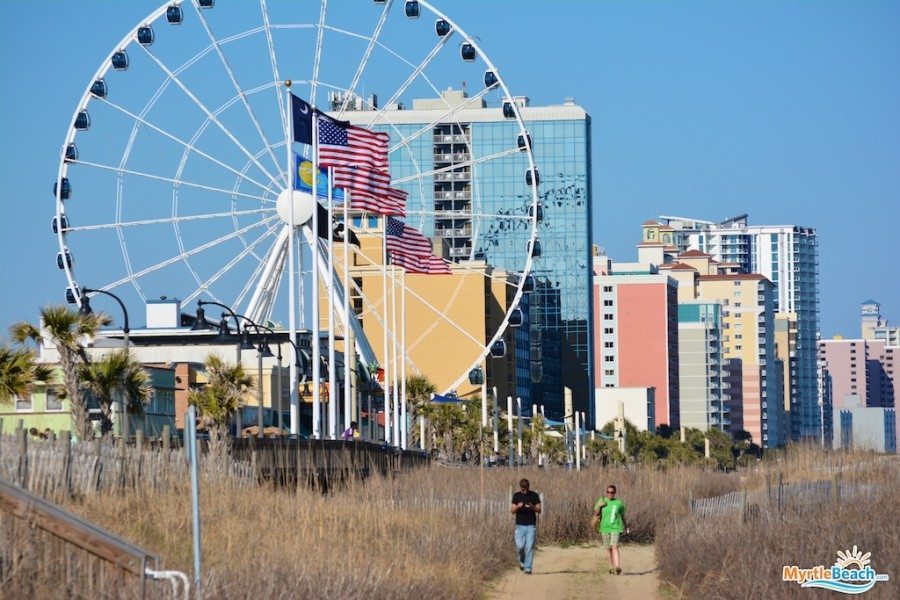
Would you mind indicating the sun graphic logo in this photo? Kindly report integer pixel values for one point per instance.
(850, 557)
(850, 574)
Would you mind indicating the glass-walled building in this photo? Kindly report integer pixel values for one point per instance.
(459, 161)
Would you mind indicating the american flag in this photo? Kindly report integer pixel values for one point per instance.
(411, 250)
(401, 238)
(430, 265)
(344, 145)
(372, 190)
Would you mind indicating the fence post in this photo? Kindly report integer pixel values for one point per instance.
(780, 494)
(166, 433)
(97, 464)
(22, 448)
(836, 488)
(65, 441)
(743, 512)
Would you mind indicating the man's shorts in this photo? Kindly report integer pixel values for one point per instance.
(610, 540)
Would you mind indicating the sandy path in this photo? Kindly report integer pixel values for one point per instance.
(582, 572)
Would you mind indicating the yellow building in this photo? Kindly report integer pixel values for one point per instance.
(748, 338)
(449, 319)
(786, 351)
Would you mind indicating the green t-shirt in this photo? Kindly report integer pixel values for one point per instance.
(611, 516)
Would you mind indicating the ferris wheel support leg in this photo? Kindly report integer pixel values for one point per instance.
(260, 305)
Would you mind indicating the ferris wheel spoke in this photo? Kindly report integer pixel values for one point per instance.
(237, 88)
(455, 166)
(404, 141)
(412, 76)
(270, 44)
(230, 264)
(314, 82)
(178, 182)
(221, 215)
(365, 59)
(186, 145)
(278, 246)
(212, 117)
(189, 253)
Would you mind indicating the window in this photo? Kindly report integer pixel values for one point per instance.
(608, 317)
(53, 401)
(608, 344)
(737, 293)
(607, 303)
(609, 358)
(738, 336)
(609, 372)
(607, 330)
(737, 304)
(738, 347)
(607, 288)
(23, 403)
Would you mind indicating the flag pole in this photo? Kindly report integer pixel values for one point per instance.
(384, 296)
(332, 374)
(292, 314)
(404, 432)
(395, 370)
(349, 349)
(314, 249)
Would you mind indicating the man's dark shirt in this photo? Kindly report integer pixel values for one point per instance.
(526, 515)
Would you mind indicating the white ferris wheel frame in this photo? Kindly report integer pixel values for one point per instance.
(131, 40)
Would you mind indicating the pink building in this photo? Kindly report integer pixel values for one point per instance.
(636, 332)
(864, 368)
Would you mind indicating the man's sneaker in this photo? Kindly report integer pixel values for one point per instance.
(528, 572)
(612, 571)
(521, 567)
(618, 570)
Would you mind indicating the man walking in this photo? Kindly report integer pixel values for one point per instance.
(609, 518)
(526, 505)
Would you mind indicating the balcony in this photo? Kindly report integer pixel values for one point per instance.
(449, 232)
(460, 252)
(455, 176)
(450, 139)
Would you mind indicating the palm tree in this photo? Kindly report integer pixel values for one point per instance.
(217, 402)
(19, 372)
(67, 330)
(418, 392)
(117, 375)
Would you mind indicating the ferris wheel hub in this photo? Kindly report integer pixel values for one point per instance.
(303, 206)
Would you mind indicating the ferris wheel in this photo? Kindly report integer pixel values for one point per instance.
(180, 148)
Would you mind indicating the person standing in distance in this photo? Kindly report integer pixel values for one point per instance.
(609, 519)
(526, 505)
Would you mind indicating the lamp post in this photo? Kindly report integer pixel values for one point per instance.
(201, 323)
(264, 351)
(84, 310)
(224, 336)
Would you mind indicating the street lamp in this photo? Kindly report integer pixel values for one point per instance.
(264, 351)
(224, 333)
(84, 310)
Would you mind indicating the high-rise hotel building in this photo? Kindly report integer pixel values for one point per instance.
(786, 255)
(556, 351)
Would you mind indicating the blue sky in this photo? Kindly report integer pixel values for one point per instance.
(789, 111)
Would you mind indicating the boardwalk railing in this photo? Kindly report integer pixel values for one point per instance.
(38, 537)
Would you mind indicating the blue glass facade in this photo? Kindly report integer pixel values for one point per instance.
(552, 347)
